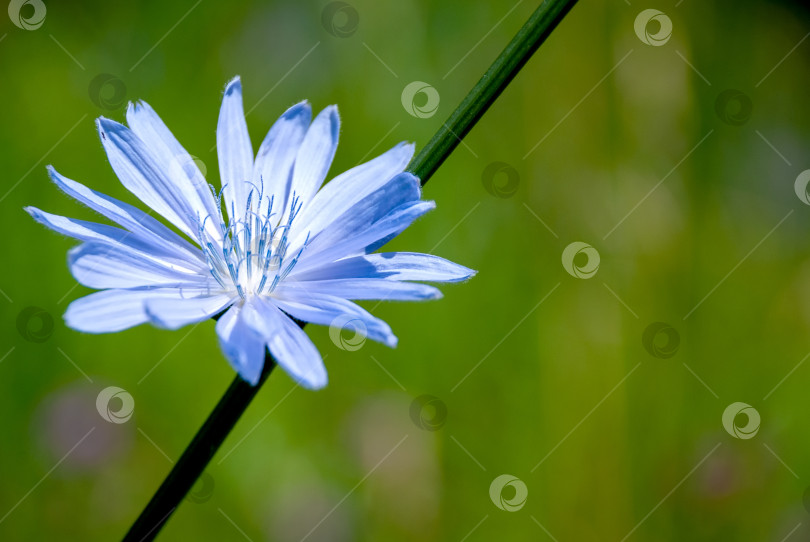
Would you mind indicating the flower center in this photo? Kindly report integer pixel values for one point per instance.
(251, 256)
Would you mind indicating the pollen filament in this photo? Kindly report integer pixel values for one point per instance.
(253, 248)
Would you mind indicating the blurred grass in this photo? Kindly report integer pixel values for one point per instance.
(549, 386)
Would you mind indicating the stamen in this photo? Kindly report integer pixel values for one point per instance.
(234, 261)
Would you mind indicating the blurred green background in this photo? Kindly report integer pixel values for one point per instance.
(686, 192)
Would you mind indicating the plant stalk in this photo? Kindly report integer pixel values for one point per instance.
(530, 36)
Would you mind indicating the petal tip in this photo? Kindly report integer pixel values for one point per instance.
(334, 116)
(74, 319)
(104, 125)
(301, 108)
(55, 176)
(315, 381)
(68, 319)
(251, 378)
(234, 85)
(36, 213)
(133, 109)
(465, 273)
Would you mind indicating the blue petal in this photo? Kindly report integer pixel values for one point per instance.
(383, 289)
(327, 310)
(352, 186)
(101, 265)
(109, 311)
(274, 162)
(402, 189)
(358, 241)
(178, 165)
(234, 150)
(291, 347)
(87, 231)
(144, 227)
(138, 171)
(392, 266)
(176, 313)
(242, 346)
(102, 233)
(316, 153)
(78, 229)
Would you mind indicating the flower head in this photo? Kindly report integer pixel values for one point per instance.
(283, 243)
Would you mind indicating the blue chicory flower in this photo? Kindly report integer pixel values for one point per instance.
(284, 245)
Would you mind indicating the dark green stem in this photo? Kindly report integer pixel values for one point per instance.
(196, 457)
(541, 23)
(239, 394)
